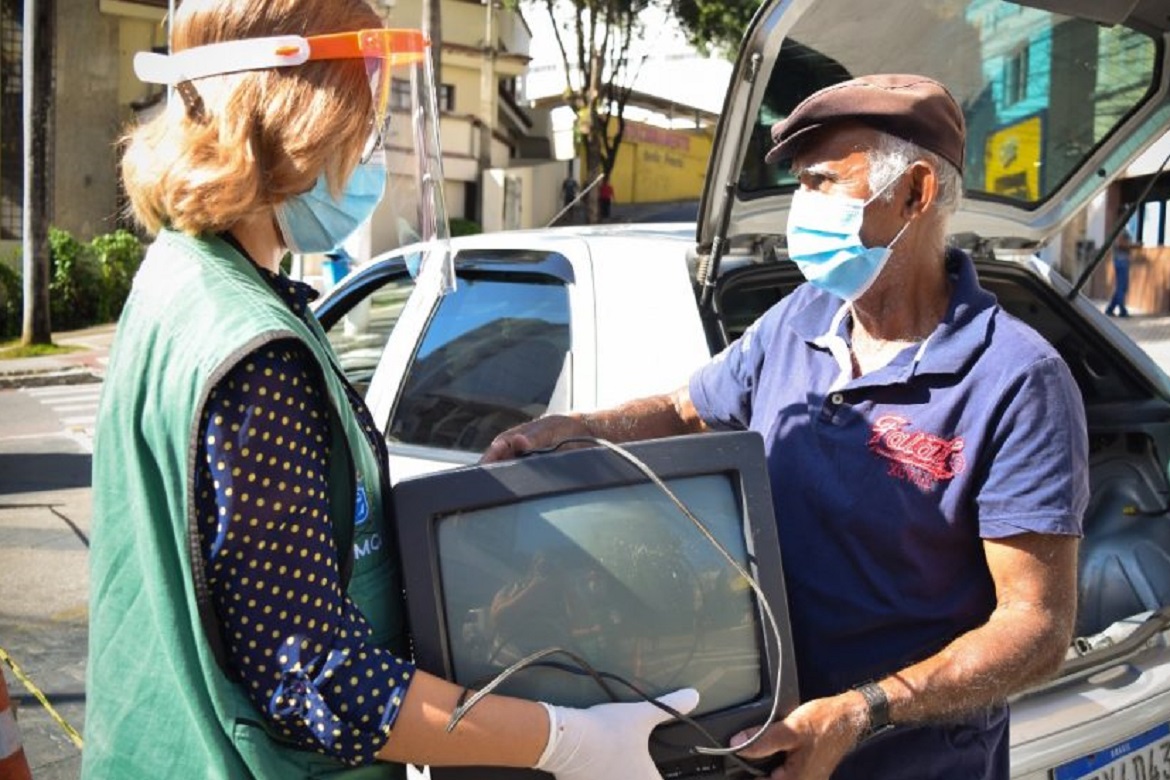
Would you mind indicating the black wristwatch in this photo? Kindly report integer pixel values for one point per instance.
(879, 710)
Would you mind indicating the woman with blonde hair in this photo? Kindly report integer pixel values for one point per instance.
(234, 632)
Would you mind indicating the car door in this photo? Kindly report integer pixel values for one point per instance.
(360, 313)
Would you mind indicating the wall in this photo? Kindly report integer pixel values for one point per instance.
(1149, 281)
(94, 84)
(464, 23)
(88, 118)
(538, 189)
(656, 165)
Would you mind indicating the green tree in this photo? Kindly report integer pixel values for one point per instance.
(594, 38)
(715, 25)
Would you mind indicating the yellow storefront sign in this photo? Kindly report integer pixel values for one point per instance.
(657, 165)
(1012, 160)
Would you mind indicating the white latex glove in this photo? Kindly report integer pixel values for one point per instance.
(607, 740)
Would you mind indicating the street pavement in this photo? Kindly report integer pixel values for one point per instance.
(47, 415)
(84, 365)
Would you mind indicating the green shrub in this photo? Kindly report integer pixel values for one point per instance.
(118, 255)
(464, 227)
(88, 283)
(11, 301)
(75, 282)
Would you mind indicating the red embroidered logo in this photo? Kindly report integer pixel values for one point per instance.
(917, 457)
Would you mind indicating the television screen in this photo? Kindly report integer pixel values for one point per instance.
(617, 576)
(578, 550)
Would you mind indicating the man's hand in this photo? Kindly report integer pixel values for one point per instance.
(652, 417)
(815, 736)
(1023, 641)
(538, 434)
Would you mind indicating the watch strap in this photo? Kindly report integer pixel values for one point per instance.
(879, 709)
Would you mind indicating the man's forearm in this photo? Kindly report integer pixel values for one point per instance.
(1023, 641)
(645, 418)
(1018, 646)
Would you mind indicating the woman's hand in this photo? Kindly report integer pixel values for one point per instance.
(608, 740)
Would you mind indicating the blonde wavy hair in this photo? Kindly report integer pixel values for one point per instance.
(259, 136)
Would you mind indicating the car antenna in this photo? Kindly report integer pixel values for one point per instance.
(1121, 223)
(575, 200)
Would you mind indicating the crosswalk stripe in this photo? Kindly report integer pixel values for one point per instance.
(65, 391)
(87, 420)
(75, 407)
(74, 401)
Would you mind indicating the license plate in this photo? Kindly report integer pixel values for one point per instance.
(1142, 757)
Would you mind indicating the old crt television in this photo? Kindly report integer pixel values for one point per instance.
(577, 549)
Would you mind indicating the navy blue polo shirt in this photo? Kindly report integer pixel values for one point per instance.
(885, 485)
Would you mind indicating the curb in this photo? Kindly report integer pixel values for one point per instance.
(46, 378)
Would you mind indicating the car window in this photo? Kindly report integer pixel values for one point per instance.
(744, 302)
(359, 324)
(493, 356)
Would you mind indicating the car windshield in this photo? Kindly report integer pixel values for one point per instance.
(1040, 91)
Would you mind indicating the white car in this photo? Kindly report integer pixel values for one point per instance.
(579, 318)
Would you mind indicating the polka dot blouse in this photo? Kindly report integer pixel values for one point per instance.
(294, 639)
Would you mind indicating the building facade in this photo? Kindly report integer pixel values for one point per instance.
(94, 98)
(483, 122)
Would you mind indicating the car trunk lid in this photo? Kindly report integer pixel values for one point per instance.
(1059, 97)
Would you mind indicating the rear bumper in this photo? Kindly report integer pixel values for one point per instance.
(1067, 721)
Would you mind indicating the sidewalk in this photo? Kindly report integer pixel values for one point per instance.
(1152, 333)
(86, 364)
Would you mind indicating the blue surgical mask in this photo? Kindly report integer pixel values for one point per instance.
(824, 240)
(315, 222)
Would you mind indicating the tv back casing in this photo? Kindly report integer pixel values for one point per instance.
(422, 502)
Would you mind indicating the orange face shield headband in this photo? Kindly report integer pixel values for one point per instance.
(383, 50)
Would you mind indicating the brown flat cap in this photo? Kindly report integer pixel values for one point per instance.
(915, 108)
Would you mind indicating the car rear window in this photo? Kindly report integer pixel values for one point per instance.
(1040, 91)
(492, 357)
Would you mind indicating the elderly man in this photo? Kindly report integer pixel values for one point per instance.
(928, 452)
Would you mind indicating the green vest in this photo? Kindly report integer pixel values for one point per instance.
(157, 702)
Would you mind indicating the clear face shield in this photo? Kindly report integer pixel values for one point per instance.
(404, 135)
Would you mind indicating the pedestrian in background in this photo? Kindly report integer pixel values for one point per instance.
(569, 190)
(605, 198)
(235, 631)
(1121, 256)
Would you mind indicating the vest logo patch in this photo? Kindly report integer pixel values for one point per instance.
(361, 511)
(370, 544)
(921, 459)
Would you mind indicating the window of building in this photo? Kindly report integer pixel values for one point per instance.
(1151, 223)
(446, 97)
(513, 88)
(400, 94)
(11, 120)
(1015, 77)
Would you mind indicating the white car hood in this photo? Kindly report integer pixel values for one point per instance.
(1078, 132)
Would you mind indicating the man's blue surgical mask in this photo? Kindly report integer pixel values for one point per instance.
(315, 222)
(824, 240)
